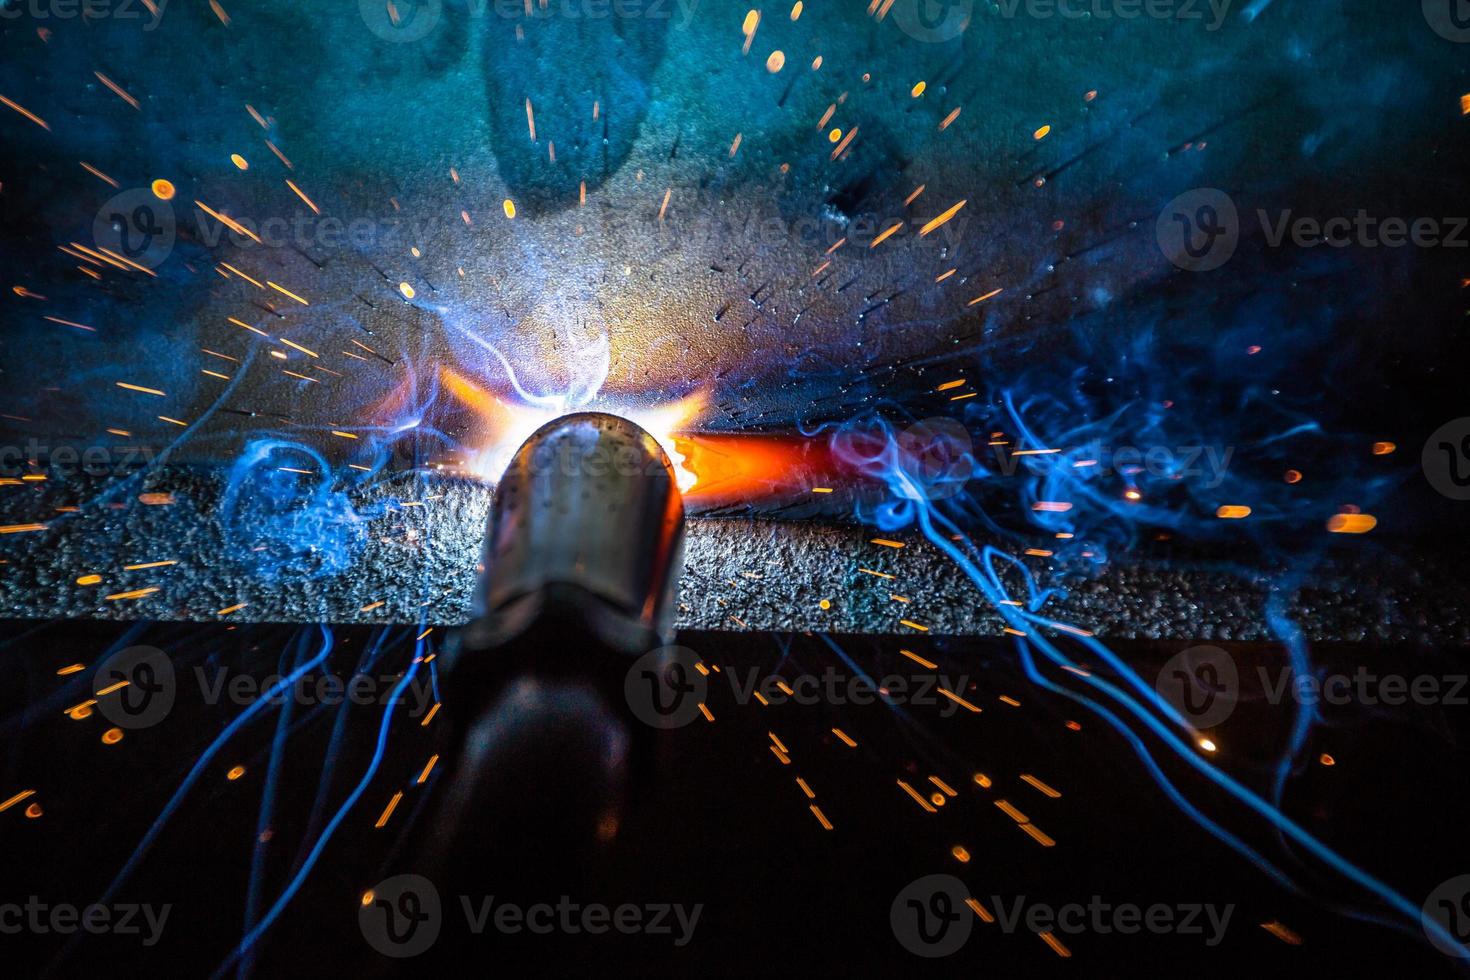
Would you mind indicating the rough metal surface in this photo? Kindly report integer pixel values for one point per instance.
(408, 549)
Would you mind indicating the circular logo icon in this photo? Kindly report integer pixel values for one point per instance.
(401, 917)
(932, 21)
(1449, 18)
(1448, 908)
(135, 688)
(1202, 684)
(1199, 230)
(938, 456)
(664, 687)
(401, 21)
(137, 227)
(930, 917)
(1446, 459)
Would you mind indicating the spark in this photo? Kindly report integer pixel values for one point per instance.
(300, 348)
(1352, 523)
(1282, 932)
(748, 28)
(980, 910)
(919, 660)
(17, 798)
(22, 528)
(886, 235)
(973, 709)
(134, 594)
(1040, 786)
(241, 323)
(280, 156)
(917, 797)
(254, 282)
(846, 141)
(228, 222)
(69, 323)
(117, 90)
(287, 293)
(388, 811)
(25, 112)
(302, 194)
(942, 219)
(98, 174)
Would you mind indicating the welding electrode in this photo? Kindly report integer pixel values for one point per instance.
(583, 551)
